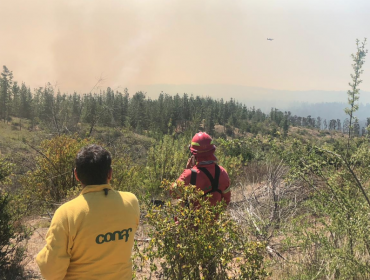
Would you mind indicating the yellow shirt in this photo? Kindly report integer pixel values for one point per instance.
(91, 237)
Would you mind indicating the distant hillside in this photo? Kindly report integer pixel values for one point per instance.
(254, 96)
(328, 110)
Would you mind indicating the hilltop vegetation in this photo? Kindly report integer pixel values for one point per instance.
(300, 192)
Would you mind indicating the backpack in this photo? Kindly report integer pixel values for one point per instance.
(214, 181)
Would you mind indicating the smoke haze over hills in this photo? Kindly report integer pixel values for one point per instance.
(129, 43)
(326, 104)
(209, 48)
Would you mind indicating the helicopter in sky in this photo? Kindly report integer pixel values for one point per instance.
(270, 39)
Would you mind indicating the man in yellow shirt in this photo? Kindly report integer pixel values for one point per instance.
(92, 236)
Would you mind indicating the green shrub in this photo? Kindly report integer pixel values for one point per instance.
(11, 236)
(229, 130)
(5, 170)
(324, 133)
(333, 231)
(204, 242)
(6, 229)
(52, 179)
(15, 126)
(166, 160)
(302, 132)
(128, 175)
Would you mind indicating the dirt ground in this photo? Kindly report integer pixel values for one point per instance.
(34, 245)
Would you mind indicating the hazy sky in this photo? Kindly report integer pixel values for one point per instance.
(141, 42)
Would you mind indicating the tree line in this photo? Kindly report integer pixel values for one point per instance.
(167, 114)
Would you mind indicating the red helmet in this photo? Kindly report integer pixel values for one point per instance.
(202, 143)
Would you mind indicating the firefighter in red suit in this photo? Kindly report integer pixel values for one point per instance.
(203, 171)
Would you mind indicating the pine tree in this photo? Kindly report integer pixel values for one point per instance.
(318, 123)
(346, 126)
(137, 111)
(285, 126)
(15, 104)
(356, 128)
(6, 82)
(332, 124)
(22, 104)
(339, 126)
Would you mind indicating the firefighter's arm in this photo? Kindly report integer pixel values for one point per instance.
(53, 260)
(226, 193)
(184, 177)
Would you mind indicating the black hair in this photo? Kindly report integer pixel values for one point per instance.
(93, 164)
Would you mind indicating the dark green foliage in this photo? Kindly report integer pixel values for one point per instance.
(11, 250)
(6, 229)
(6, 81)
(60, 113)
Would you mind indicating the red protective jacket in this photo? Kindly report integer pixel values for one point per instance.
(204, 183)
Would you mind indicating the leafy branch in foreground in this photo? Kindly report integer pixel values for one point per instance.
(333, 231)
(203, 243)
(12, 234)
(353, 94)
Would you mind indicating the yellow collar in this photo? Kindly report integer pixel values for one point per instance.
(95, 188)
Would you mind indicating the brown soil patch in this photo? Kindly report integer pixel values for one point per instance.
(35, 244)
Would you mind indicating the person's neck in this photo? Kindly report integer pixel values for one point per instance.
(83, 186)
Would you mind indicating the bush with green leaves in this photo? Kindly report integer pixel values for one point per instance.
(6, 228)
(332, 228)
(191, 239)
(5, 170)
(11, 235)
(166, 160)
(52, 178)
(128, 175)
